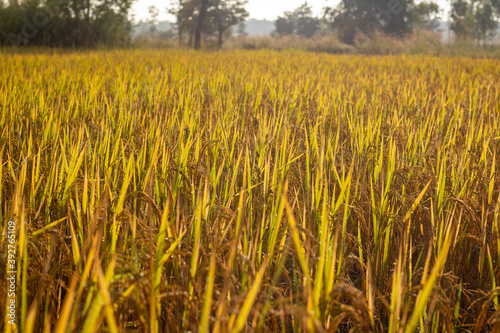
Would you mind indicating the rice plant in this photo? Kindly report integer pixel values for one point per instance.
(250, 191)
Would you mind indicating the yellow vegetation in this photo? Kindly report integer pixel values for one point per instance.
(251, 191)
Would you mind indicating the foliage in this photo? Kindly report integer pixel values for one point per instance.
(423, 42)
(353, 17)
(462, 18)
(327, 43)
(65, 23)
(300, 22)
(475, 19)
(200, 24)
(153, 19)
(251, 191)
(220, 16)
(487, 24)
(427, 15)
(225, 14)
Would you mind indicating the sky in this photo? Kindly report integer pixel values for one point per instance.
(258, 9)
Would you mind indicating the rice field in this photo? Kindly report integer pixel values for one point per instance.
(249, 191)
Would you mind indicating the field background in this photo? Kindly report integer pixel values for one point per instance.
(251, 191)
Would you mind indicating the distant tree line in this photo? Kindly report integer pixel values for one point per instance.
(88, 23)
(65, 23)
(477, 19)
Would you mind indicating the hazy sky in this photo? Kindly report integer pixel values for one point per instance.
(259, 9)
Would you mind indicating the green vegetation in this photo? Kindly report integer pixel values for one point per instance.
(71, 23)
(475, 19)
(251, 191)
(219, 17)
(300, 22)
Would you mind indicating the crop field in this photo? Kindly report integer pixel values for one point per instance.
(249, 191)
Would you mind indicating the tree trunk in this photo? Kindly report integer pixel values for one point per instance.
(179, 20)
(87, 24)
(179, 30)
(180, 37)
(220, 38)
(199, 27)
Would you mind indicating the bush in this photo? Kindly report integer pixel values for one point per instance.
(327, 43)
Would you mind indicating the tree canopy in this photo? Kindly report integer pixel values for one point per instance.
(426, 15)
(219, 17)
(300, 22)
(476, 19)
(352, 17)
(65, 22)
(469, 18)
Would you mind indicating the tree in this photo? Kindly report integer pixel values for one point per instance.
(211, 19)
(153, 19)
(188, 18)
(201, 22)
(352, 17)
(226, 14)
(76, 23)
(426, 15)
(462, 18)
(486, 23)
(300, 22)
(284, 26)
(176, 10)
(476, 19)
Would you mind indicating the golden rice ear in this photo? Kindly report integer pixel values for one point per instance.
(176, 191)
